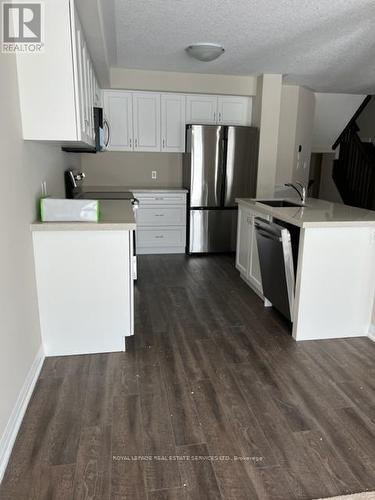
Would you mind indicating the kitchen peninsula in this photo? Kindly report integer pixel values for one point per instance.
(84, 274)
(335, 269)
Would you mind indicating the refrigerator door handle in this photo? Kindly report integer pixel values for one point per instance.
(223, 171)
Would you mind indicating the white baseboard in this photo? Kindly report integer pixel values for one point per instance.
(371, 333)
(8, 438)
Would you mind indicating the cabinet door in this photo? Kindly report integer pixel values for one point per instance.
(80, 79)
(201, 109)
(244, 236)
(146, 121)
(84, 75)
(90, 100)
(173, 123)
(254, 267)
(234, 110)
(118, 110)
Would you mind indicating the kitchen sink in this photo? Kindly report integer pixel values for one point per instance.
(279, 203)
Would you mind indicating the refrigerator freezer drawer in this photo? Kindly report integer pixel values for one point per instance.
(212, 231)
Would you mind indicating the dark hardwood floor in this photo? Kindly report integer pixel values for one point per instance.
(211, 378)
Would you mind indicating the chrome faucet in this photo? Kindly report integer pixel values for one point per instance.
(302, 191)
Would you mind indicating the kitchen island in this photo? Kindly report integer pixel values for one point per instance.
(335, 271)
(84, 274)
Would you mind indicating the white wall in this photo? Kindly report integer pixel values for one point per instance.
(366, 122)
(23, 167)
(167, 81)
(132, 169)
(328, 190)
(332, 113)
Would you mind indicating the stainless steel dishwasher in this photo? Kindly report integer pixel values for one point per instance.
(276, 265)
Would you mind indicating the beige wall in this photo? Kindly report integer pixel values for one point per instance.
(132, 169)
(296, 129)
(166, 81)
(267, 118)
(304, 134)
(23, 167)
(287, 134)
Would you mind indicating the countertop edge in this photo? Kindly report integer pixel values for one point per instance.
(277, 212)
(82, 226)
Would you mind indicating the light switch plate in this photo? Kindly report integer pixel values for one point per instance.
(154, 174)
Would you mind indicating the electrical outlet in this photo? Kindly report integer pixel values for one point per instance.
(154, 174)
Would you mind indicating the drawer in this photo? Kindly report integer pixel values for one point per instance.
(161, 237)
(148, 215)
(160, 199)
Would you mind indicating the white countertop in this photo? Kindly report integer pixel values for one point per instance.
(117, 189)
(316, 213)
(114, 215)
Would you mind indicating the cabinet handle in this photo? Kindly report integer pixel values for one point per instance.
(159, 237)
(136, 143)
(159, 215)
(130, 143)
(219, 117)
(214, 116)
(163, 143)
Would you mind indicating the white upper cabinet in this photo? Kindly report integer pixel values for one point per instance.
(146, 121)
(233, 110)
(201, 109)
(173, 123)
(218, 110)
(150, 121)
(119, 113)
(57, 88)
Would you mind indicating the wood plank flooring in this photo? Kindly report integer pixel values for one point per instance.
(213, 380)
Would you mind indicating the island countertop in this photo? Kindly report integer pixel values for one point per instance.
(114, 215)
(315, 213)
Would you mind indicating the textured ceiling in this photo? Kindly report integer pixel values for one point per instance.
(327, 45)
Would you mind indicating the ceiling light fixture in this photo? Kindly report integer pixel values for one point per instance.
(205, 51)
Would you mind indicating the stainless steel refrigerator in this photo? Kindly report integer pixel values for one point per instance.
(220, 164)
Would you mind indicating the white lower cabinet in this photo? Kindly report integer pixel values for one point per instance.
(87, 307)
(247, 259)
(161, 222)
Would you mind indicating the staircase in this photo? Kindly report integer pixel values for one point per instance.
(354, 170)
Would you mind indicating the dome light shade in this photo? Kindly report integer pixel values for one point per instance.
(205, 51)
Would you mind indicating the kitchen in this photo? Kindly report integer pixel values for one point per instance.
(174, 319)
